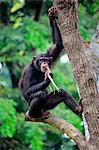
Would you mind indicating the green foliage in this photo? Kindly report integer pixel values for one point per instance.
(35, 33)
(13, 125)
(66, 79)
(29, 133)
(6, 1)
(7, 117)
(32, 35)
(5, 79)
(87, 22)
(90, 6)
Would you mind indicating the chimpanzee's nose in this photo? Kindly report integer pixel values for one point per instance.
(45, 63)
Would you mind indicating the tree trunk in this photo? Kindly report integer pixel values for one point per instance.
(67, 20)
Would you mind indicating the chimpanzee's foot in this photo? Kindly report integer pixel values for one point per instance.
(79, 108)
(52, 13)
(27, 116)
(44, 115)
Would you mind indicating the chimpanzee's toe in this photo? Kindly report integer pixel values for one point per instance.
(79, 109)
(44, 115)
(27, 117)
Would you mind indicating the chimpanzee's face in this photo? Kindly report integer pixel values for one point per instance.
(44, 64)
(41, 62)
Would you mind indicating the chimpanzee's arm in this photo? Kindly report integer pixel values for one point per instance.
(56, 35)
(55, 50)
(39, 87)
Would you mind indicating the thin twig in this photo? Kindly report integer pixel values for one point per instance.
(52, 81)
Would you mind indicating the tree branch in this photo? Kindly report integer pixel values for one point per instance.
(67, 128)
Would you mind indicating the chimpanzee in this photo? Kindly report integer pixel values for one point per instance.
(34, 80)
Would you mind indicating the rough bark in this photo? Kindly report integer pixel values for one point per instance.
(94, 54)
(68, 129)
(67, 20)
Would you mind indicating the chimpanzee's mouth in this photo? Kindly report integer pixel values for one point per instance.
(43, 69)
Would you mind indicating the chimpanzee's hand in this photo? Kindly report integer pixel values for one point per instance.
(52, 13)
(47, 73)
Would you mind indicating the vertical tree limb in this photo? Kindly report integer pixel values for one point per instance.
(67, 20)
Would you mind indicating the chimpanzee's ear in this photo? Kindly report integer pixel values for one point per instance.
(51, 58)
(34, 57)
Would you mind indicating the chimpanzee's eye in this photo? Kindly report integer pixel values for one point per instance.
(41, 59)
(44, 60)
(47, 61)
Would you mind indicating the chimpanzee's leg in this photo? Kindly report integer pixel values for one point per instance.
(40, 94)
(54, 98)
(33, 108)
(37, 102)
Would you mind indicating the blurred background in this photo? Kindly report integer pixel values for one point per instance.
(24, 32)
